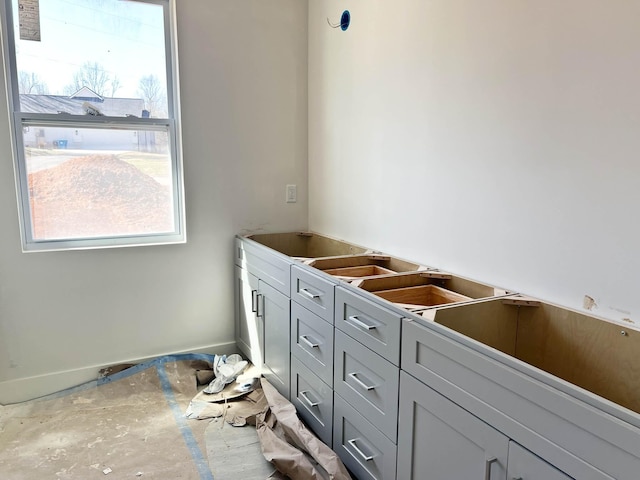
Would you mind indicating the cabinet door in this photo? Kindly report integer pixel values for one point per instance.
(248, 328)
(524, 465)
(274, 309)
(439, 440)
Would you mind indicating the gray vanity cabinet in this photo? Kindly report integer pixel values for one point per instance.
(441, 439)
(263, 308)
(451, 393)
(486, 393)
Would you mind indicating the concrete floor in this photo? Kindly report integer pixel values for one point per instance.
(130, 426)
(234, 452)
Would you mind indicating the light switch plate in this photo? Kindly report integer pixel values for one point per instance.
(292, 194)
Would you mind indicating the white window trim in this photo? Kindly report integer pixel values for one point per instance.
(172, 125)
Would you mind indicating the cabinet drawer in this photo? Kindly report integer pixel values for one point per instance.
(363, 449)
(264, 263)
(313, 400)
(312, 342)
(367, 381)
(370, 323)
(312, 292)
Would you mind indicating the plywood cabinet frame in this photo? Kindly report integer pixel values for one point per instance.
(578, 348)
(567, 432)
(366, 265)
(305, 245)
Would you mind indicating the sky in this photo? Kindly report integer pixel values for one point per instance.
(126, 37)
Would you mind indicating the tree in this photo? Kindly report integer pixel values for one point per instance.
(93, 75)
(114, 83)
(153, 94)
(30, 82)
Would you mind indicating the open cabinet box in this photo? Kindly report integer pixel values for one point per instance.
(424, 289)
(303, 246)
(354, 267)
(592, 353)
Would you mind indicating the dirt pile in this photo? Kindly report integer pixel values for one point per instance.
(97, 195)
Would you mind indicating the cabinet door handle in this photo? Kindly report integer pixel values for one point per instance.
(360, 323)
(514, 478)
(258, 314)
(487, 467)
(306, 340)
(254, 306)
(306, 399)
(365, 457)
(355, 378)
(309, 294)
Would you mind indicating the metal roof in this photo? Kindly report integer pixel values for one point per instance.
(112, 107)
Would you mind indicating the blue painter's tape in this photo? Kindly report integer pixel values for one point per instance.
(126, 373)
(154, 363)
(159, 363)
(187, 434)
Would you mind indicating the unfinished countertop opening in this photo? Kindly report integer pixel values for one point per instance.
(586, 351)
(305, 245)
(366, 265)
(430, 288)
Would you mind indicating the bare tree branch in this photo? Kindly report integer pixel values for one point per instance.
(30, 82)
(93, 75)
(153, 94)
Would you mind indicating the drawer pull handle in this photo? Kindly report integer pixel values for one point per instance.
(308, 294)
(360, 323)
(306, 399)
(254, 306)
(309, 343)
(355, 378)
(487, 467)
(366, 458)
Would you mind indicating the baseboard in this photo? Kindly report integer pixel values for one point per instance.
(29, 388)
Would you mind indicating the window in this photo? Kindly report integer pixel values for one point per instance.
(93, 98)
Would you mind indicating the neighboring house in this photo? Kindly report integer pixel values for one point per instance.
(86, 102)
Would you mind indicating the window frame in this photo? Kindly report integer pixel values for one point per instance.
(18, 120)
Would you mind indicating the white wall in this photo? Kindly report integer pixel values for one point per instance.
(495, 139)
(63, 315)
